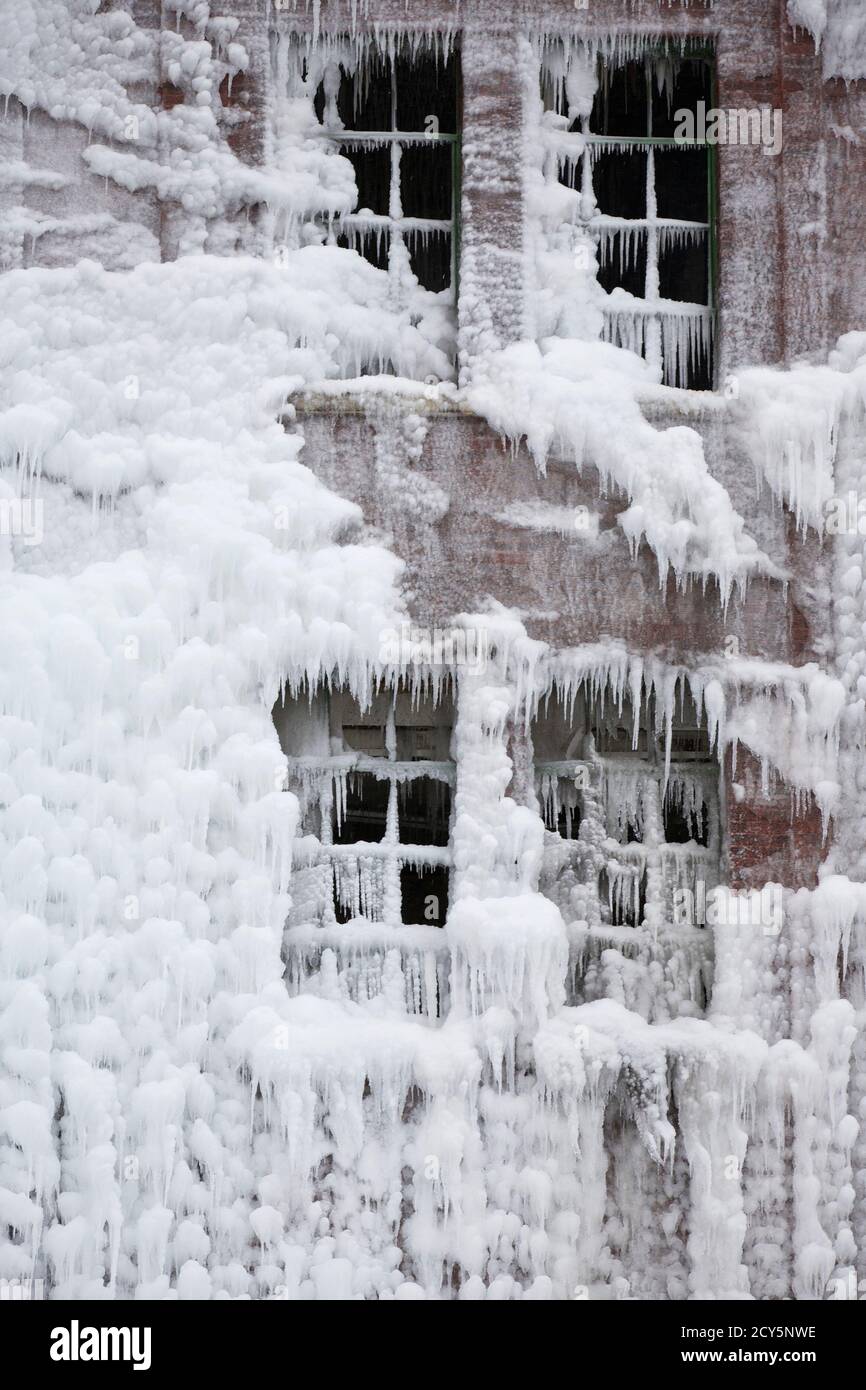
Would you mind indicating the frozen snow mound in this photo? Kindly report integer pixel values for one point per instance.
(187, 565)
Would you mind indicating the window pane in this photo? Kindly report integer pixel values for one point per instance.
(366, 810)
(682, 184)
(427, 86)
(364, 96)
(619, 181)
(368, 739)
(620, 106)
(373, 244)
(687, 83)
(684, 274)
(624, 263)
(424, 811)
(430, 259)
(424, 743)
(424, 895)
(426, 181)
(373, 177)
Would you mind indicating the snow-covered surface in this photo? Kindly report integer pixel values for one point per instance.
(839, 30)
(181, 1115)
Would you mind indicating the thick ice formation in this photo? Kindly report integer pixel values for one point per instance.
(563, 394)
(791, 422)
(839, 30)
(524, 1105)
(188, 565)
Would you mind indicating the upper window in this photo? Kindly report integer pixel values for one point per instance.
(647, 196)
(393, 112)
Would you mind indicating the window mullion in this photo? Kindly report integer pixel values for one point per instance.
(456, 195)
(651, 277)
(326, 839)
(653, 837)
(392, 914)
(395, 202)
(586, 189)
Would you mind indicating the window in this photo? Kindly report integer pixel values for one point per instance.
(647, 196)
(375, 788)
(634, 838)
(393, 112)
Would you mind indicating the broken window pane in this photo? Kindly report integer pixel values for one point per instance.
(682, 825)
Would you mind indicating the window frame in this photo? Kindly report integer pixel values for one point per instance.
(328, 784)
(690, 50)
(392, 141)
(671, 769)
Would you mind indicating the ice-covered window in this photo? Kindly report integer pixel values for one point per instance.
(628, 828)
(390, 105)
(375, 788)
(647, 193)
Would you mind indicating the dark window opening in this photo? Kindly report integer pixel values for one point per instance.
(363, 97)
(373, 177)
(636, 803)
(681, 184)
(568, 822)
(366, 812)
(620, 105)
(623, 900)
(424, 895)
(687, 81)
(682, 826)
(430, 260)
(642, 96)
(427, 85)
(619, 184)
(424, 811)
(343, 912)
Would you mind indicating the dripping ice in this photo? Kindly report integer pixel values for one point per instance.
(143, 992)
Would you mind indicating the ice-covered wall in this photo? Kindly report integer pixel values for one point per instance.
(178, 1118)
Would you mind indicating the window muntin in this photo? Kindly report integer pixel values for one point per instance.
(648, 201)
(394, 113)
